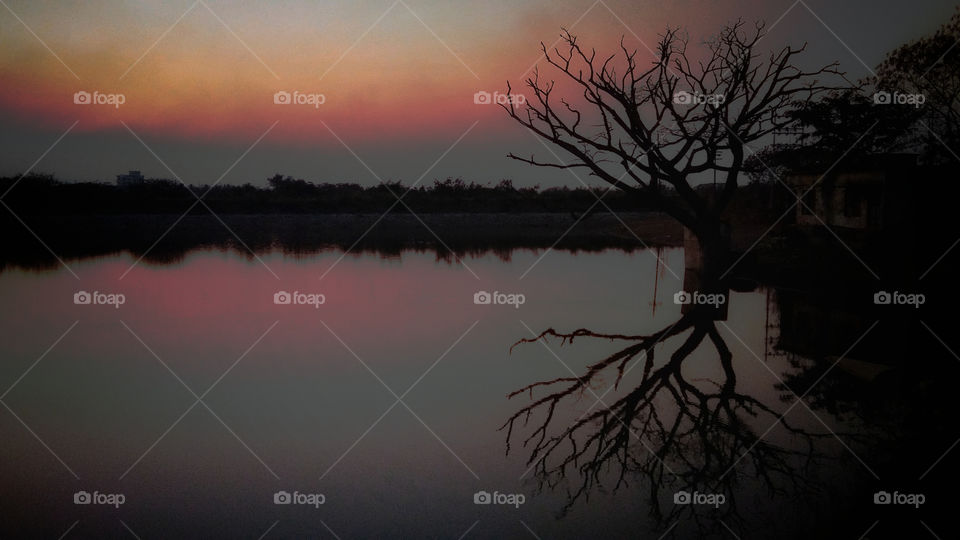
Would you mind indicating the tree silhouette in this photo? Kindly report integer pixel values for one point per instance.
(651, 131)
(869, 119)
(929, 66)
(641, 128)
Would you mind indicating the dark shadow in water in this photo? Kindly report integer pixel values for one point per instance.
(878, 372)
(667, 432)
(168, 238)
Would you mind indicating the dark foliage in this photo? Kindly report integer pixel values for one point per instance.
(45, 195)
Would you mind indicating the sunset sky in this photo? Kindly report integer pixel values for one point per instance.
(398, 78)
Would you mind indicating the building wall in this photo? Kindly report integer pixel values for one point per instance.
(851, 200)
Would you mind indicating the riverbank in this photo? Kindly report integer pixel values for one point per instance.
(168, 237)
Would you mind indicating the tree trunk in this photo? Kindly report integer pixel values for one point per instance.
(706, 259)
(711, 239)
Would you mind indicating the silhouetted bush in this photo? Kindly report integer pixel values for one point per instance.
(45, 195)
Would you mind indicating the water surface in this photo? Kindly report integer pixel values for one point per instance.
(199, 397)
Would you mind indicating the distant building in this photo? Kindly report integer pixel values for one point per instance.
(129, 179)
(876, 195)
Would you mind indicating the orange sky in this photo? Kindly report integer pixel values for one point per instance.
(390, 71)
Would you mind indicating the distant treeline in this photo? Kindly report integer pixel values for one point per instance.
(45, 195)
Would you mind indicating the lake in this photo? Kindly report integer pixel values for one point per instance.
(200, 403)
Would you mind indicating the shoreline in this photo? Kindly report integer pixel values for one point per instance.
(168, 237)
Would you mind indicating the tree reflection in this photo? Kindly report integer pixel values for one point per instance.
(670, 432)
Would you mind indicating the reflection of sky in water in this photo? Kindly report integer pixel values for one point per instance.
(299, 399)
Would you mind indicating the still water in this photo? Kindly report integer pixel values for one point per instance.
(200, 398)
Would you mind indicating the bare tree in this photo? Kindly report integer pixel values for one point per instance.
(640, 127)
